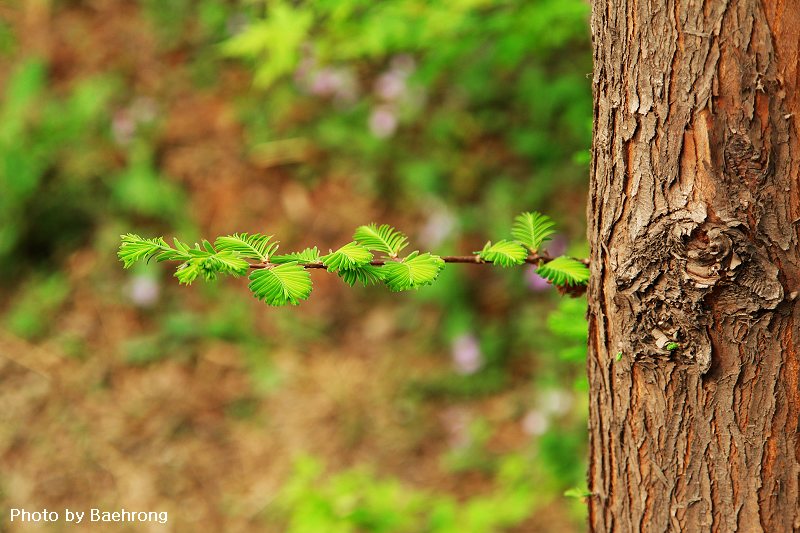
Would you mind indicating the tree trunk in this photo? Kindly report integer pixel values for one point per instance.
(694, 214)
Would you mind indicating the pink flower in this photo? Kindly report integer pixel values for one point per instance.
(557, 246)
(390, 85)
(382, 122)
(438, 227)
(466, 354)
(325, 82)
(537, 283)
(534, 281)
(338, 83)
(556, 401)
(144, 291)
(123, 127)
(535, 423)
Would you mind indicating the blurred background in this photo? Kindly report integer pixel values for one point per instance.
(460, 407)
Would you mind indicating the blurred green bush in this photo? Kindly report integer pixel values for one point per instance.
(480, 104)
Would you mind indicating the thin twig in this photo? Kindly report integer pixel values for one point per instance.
(533, 259)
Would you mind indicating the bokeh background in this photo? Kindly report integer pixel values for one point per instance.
(457, 408)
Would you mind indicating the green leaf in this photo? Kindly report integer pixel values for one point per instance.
(381, 239)
(348, 257)
(275, 42)
(188, 272)
(181, 247)
(532, 229)
(286, 283)
(229, 262)
(412, 272)
(366, 275)
(577, 492)
(256, 246)
(309, 255)
(564, 271)
(210, 264)
(504, 253)
(134, 248)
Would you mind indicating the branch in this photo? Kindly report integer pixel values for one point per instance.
(533, 259)
(280, 280)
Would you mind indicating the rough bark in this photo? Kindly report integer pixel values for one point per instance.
(693, 220)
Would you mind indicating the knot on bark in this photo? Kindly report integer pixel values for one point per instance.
(697, 265)
(709, 256)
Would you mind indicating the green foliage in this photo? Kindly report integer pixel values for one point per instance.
(208, 263)
(356, 500)
(472, 455)
(350, 256)
(464, 74)
(672, 346)
(134, 248)
(141, 189)
(568, 330)
(281, 284)
(33, 310)
(532, 229)
(567, 321)
(256, 246)
(366, 275)
(414, 271)
(564, 271)
(577, 492)
(279, 281)
(381, 239)
(308, 255)
(50, 162)
(503, 253)
(273, 42)
(197, 261)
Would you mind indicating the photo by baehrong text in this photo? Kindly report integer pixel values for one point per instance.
(93, 515)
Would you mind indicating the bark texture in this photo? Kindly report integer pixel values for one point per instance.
(694, 222)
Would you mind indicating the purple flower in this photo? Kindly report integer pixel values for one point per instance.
(557, 246)
(382, 122)
(126, 122)
(439, 225)
(466, 354)
(537, 283)
(390, 85)
(534, 281)
(556, 401)
(123, 127)
(325, 82)
(535, 423)
(144, 291)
